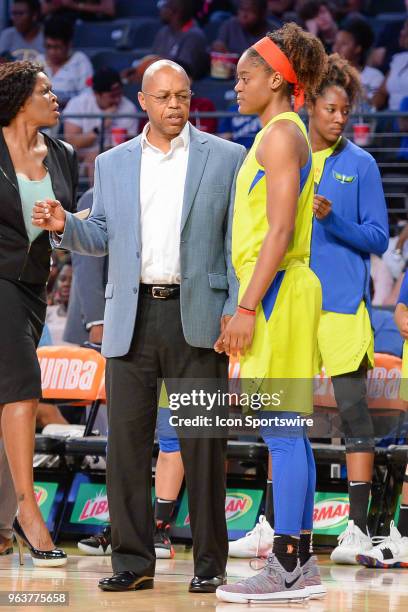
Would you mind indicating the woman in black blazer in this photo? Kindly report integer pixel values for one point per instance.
(33, 167)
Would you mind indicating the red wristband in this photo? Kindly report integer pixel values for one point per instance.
(246, 311)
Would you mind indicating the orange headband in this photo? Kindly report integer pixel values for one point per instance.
(275, 58)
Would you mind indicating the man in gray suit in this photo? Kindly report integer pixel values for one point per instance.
(163, 205)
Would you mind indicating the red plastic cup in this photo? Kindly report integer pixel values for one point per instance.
(361, 134)
(223, 65)
(118, 135)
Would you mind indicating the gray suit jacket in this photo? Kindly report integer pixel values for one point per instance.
(87, 296)
(209, 287)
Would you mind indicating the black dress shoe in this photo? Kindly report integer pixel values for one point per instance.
(207, 585)
(126, 581)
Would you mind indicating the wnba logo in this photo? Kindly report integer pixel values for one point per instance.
(68, 374)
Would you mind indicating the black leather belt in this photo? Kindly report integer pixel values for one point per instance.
(160, 292)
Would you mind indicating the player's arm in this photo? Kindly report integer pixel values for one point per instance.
(279, 154)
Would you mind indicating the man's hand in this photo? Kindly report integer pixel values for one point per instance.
(322, 207)
(237, 336)
(49, 215)
(218, 346)
(95, 334)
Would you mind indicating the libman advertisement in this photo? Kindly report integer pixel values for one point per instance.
(330, 514)
(91, 505)
(45, 493)
(241, 510)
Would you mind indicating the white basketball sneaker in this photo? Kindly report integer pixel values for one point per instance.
(256, 543)
(352, 542)
(392, 551)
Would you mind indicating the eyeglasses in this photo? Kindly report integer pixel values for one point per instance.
(183, 98)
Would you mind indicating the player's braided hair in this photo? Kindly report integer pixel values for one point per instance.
(341, 73)
(304, 51)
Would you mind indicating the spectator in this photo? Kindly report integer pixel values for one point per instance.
(353, 42)
(395, 85)
(70, 71)
(201, 105)
(80, 9)
(25, 40)
(105, 98)
(383, 280)
(276, 8)
(387, 44)
(403, 127)
(375, 7)
(318, 20)
(180, 39)
(56, 316)
(239, 33)
(210, 10)
(349, 8)
(241, 129)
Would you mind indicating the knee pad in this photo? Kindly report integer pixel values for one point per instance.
(359, 445)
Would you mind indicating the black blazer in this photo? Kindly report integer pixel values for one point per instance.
(18, 259)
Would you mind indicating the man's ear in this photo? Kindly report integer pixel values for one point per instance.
(142, 100)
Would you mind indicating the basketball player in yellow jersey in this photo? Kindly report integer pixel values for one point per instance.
(275, 327)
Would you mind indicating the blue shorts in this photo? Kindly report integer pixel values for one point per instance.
(168, 440)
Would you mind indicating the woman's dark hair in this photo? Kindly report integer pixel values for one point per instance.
(59, 28)
(33, 5)
(310, 9)
(340, 73)
(304, 51)
(362, 33)
(17, 82)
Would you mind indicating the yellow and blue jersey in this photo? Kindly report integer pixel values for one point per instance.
(285, 339)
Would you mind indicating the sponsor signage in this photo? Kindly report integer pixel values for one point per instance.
(330, 513)
(397, 511)
(45, 493)
(383, 384)
(91, 505)
(71, 373)
(241, 511)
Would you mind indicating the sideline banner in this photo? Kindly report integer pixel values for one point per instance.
(71, 373)
(383, 384)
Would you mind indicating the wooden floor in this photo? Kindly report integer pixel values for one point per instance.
(350, 588)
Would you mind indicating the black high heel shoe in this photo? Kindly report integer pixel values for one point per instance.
(41, 558)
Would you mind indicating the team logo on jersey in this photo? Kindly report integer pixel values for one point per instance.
(343, 178)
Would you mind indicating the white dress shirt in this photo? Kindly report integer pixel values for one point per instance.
(162, 182)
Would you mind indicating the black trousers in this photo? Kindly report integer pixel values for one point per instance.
(158, 349)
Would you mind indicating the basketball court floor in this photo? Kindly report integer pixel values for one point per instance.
(350, 588)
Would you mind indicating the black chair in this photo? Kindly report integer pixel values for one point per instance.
(114, 35)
